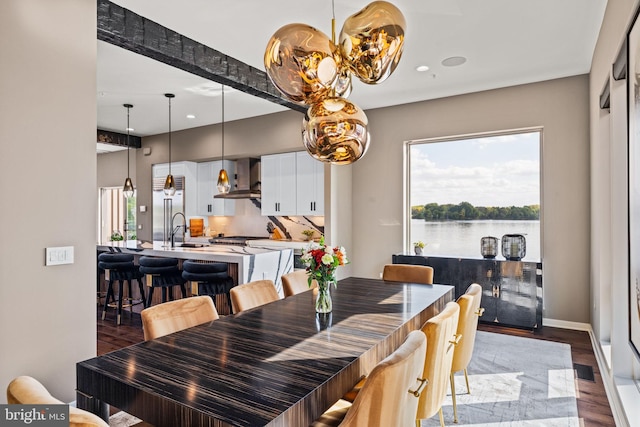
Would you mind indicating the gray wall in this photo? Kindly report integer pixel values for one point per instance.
(48, 175)
(112, 168)
(560, 107)
(375, 207)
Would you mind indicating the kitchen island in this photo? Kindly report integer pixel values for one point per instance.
(246, 264)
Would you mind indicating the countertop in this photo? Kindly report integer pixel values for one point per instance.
(226, 253)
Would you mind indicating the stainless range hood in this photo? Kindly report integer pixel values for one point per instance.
(247, 180)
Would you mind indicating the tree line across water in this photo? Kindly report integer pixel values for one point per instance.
(466, 211)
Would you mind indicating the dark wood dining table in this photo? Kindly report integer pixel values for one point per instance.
(280, 364)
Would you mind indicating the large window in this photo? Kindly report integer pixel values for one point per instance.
(117, 215)
(464, 188)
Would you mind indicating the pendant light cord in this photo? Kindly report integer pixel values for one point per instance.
(128, 145)
(169, 135)
(222, 127)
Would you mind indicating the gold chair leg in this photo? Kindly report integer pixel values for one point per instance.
(453, 398)
(466, 378)
(441, 417)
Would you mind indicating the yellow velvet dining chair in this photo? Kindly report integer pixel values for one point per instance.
(172, 316)
(26, 390)
(253, 294)
(408, 273)
(295, 282)
(390, 395)
(442, 338)
(470, 311)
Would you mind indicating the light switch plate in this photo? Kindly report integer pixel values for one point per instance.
(59, 255)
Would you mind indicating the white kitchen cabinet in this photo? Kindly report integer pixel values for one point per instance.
(186, 169)
(309, 185)
(278, 176)
(207, 189)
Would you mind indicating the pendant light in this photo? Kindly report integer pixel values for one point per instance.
(169, 184)
(223, 178)
(127, 190)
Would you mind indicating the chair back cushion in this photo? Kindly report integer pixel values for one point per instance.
(26, 390)
(385, 398)
(173, 316)
(469, 304)
(296, 282)
(253, 294)
(440, 331)
(408, 273)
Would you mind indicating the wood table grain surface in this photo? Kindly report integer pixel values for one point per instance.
(280, 364)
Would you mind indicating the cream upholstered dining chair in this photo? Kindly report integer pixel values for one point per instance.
(253, 294)
(27, 390)
(408, 273)
(441, 340)
(296, 282)
(172, 316)
(390, 395)
(470, 311)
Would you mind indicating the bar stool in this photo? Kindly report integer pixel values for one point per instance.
(162, 273)
(208, 279)
(119, 268)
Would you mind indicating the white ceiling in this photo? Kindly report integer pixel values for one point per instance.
(506, 43)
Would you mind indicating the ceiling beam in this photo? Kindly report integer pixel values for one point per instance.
(115, 138)
(121, 27)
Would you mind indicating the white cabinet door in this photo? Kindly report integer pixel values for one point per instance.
(278, 184)
(310, 185)
(207, 189)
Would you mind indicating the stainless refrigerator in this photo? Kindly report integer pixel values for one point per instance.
(164, 207)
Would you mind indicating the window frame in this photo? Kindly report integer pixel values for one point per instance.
(406, 224)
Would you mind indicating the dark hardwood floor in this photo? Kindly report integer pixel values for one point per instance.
(593, 405)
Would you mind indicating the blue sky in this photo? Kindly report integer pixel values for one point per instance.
(500, 170)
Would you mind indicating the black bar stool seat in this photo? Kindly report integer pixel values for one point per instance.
(162, 273)
(120, 268)
(208, 279)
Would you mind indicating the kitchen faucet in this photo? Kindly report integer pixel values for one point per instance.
(174, 230)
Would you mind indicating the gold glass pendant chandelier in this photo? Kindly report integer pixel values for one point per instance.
(127, 189)
(223, 178)
(310, 69)
(169, 183)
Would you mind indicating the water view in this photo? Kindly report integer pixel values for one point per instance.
(462, 238)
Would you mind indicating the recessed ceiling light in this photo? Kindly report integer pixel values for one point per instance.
(422, 68)
(130, 129)
(454, 61)
(190, 116)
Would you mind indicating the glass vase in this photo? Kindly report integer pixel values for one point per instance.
(323, 299)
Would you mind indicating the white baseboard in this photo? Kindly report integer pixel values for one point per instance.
(564, 324)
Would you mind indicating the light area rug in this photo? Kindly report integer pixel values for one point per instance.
(122, 419)
(515, 382)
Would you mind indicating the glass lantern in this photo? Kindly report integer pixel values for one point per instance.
(489, 247)
(514, 247)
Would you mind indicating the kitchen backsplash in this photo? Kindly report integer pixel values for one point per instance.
(248, 221)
